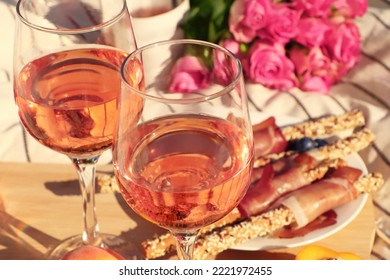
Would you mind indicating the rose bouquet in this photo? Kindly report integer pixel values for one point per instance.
(308, 44)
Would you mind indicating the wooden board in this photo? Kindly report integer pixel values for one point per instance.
(40, 204)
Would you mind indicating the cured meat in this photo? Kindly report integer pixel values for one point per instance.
(268, 138)
(326, 219)
(311, 201)
(271, 185)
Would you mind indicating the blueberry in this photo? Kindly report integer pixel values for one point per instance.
(305, 144)
(302, 145)
(320, 143)
(293, 145)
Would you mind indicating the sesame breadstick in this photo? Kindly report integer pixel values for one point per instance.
(259, 226)
(321, 126)
(354, 143)
(106, 183)
(163, 244)
(324, 125)
(220, 239)
(342, 147)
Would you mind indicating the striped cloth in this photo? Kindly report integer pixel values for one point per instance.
(366, 87)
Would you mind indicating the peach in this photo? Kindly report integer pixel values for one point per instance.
(92, 253)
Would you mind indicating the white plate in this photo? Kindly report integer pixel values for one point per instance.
(345, 213)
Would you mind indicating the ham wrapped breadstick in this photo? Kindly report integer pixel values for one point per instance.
(222, 238)
(311, 201)
(307, 176)
(271, 185)
(342, 147)
(305, 169)
(262, 225)
(270, 138)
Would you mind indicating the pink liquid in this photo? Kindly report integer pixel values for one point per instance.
(67, 100)
(190, 172)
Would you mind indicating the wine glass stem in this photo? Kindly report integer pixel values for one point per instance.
(185, 244)
(86, 170)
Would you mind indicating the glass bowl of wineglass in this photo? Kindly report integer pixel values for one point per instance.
(67, 58)
(185, 161)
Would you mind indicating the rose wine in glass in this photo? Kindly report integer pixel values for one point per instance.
(66, 85)
(68, 99)
(187, 162)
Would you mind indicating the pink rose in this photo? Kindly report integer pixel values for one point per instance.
(246, 16)
(268, 65)
(283, 24)
(189, 74)
(315, 84)
(238, 49)
(315, 71)
(315, 8)
(350, 8)
(311, 31)
(233, 46)
(256, 13)
(224, 70)
(343, 45)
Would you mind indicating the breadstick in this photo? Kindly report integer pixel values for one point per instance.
(342, 147)
(324, 126)
(220, 239)
(321, 126)
(106, 183)
(161, 245)
(262, 225)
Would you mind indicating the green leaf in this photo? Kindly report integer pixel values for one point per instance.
(207, 20)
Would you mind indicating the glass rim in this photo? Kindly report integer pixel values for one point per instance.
(212, 96)
(70, 31)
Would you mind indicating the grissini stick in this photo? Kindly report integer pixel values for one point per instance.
(166, 241)
(264, 224)
(325, 154)
(339, 149)
(270, 138)
(324, 126)
(223, 238)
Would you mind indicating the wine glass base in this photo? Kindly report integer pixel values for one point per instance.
(124, 248)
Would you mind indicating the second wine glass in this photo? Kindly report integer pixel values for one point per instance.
(66, 82)
(188, 161)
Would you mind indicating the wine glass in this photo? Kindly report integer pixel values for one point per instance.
(67, 58)
(187, 162)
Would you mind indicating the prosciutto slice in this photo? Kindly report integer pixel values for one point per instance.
(315, 199)
(272, 185)
(326, 219)
(268, 138)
